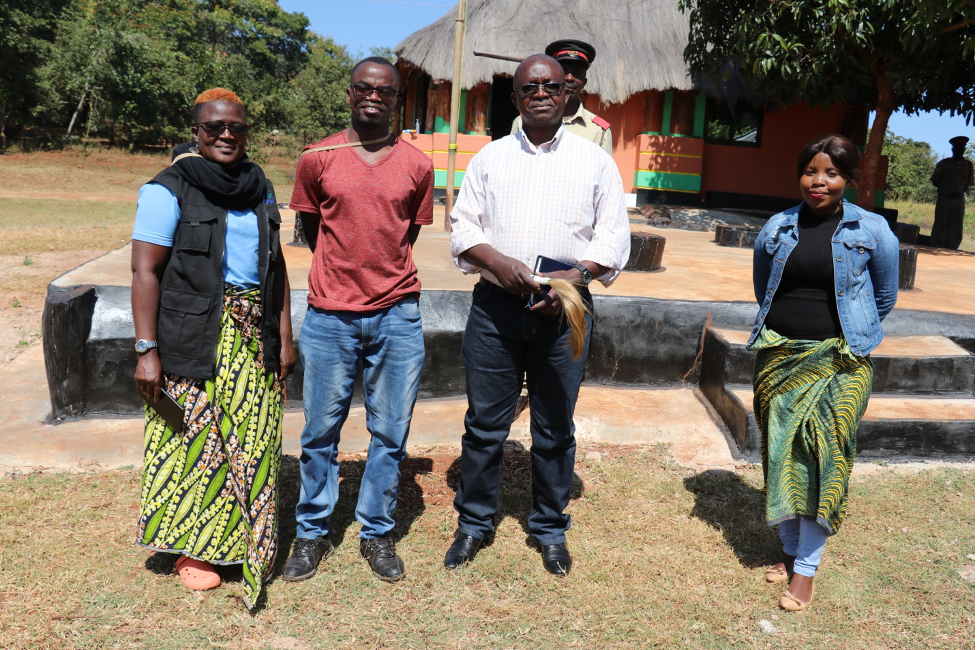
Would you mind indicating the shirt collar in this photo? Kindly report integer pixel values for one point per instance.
(848, 214)
(547, 146)
(577, 117)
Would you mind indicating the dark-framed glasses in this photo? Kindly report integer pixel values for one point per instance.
(362, 90)
(550, 88)
(216, 127)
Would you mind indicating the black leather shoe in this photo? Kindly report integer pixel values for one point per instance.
(383, 559)
(461, 551)
(556, 559)
(305, 558)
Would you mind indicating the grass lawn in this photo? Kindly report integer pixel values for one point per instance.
(663, 558)
(921, 214)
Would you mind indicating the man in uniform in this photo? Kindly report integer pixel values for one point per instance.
(575, 57)
(951, 177)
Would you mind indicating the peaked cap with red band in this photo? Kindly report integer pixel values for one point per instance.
(569, 49)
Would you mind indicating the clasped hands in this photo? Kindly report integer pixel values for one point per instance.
(515, 277)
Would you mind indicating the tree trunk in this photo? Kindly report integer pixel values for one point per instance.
(870, 161)
(74, 117)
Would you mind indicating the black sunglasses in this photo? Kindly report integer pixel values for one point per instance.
(365, 90)
(216, 127)
(551, 88)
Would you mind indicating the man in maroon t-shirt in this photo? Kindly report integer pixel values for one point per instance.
(362, 195)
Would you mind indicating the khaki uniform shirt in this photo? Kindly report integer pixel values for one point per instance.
(580, 123)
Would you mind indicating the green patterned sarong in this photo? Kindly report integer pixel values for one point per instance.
(809, 397)
(211, 491)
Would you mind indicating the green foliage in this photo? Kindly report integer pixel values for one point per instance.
(890, 54)
(911, 165)
(129, 70)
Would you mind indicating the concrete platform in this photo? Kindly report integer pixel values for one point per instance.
(677, 417)
(694, 268)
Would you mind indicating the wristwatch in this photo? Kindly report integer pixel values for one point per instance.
(586, 277)
(143, 346)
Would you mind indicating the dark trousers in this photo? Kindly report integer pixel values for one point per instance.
(504, 342)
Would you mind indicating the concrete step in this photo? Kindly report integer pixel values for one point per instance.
(912, 365)
(893, 424)
(680, 417)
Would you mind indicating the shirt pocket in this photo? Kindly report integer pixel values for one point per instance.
(859, 252)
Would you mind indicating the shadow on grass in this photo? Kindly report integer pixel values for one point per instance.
(731, 505)
(515, 487)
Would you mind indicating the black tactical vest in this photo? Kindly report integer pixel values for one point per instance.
(192, 287)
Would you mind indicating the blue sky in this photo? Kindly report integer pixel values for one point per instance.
(362, 24)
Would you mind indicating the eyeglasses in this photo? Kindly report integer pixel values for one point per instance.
(551, 88)
(365, 90)
(217, 127)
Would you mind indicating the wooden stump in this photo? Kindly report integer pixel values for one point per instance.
(907, 233)
(736, 236)
(298, 235)
(907, 266)
(646, 252)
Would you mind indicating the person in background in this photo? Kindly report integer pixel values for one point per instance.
(543, 191)
(213, 326)
(825, 274)
(952, 177)
(362, 195)
(575, 58)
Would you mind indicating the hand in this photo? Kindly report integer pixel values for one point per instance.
(551, 305)
(287, 359)
(149, 375)
(514, 276)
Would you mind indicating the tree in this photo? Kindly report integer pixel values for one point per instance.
(318, 107)
(911, 165)
(26, 32)
(892, 54)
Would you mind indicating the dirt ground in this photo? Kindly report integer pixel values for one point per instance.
(23, 287)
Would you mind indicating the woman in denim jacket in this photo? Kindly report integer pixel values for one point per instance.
(825, 274)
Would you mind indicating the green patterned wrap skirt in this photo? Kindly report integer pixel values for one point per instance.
(211, 491)
(809, 397)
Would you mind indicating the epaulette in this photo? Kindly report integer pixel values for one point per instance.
(601, 122)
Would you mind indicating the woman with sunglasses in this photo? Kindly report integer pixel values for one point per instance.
(825, 274)
(213, 327)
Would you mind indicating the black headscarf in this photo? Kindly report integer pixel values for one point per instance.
(239, 187)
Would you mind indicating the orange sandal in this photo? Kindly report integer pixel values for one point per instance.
(197, 575)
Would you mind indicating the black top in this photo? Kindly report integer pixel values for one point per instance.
(804, 306)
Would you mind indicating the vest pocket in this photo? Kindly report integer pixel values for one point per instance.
(182, 317)
(197, 235)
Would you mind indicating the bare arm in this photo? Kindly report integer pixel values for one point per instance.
(514, 276)
(310, 226)
(148, 262)
(412, 232)
(283, 302)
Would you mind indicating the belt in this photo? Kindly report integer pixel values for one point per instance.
(952, 195)
(490, 286)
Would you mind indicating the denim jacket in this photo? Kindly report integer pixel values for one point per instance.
(865, 255)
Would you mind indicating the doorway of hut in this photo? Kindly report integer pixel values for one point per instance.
(501, 109)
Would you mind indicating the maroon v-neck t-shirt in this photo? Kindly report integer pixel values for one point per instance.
(362, 260)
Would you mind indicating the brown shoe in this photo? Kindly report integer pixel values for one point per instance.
(782, 571)
(792, 603)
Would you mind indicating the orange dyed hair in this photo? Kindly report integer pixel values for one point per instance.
(215, 95)
(218, 94)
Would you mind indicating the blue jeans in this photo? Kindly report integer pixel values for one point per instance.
(390, 344)
(503, 342)
(805, 539)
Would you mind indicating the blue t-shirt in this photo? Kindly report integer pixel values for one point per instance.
(158, 214)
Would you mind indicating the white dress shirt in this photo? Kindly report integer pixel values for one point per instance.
(563, 199)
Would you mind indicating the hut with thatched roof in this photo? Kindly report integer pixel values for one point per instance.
(675, 140)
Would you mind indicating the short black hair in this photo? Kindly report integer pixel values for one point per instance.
(379, 60)
(843, 153)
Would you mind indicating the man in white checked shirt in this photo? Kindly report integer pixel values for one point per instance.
(541, 191)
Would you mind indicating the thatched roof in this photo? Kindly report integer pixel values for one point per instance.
(639, 42)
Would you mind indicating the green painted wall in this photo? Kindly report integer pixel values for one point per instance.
(656, 180)
(441, 177)
(852, 193)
